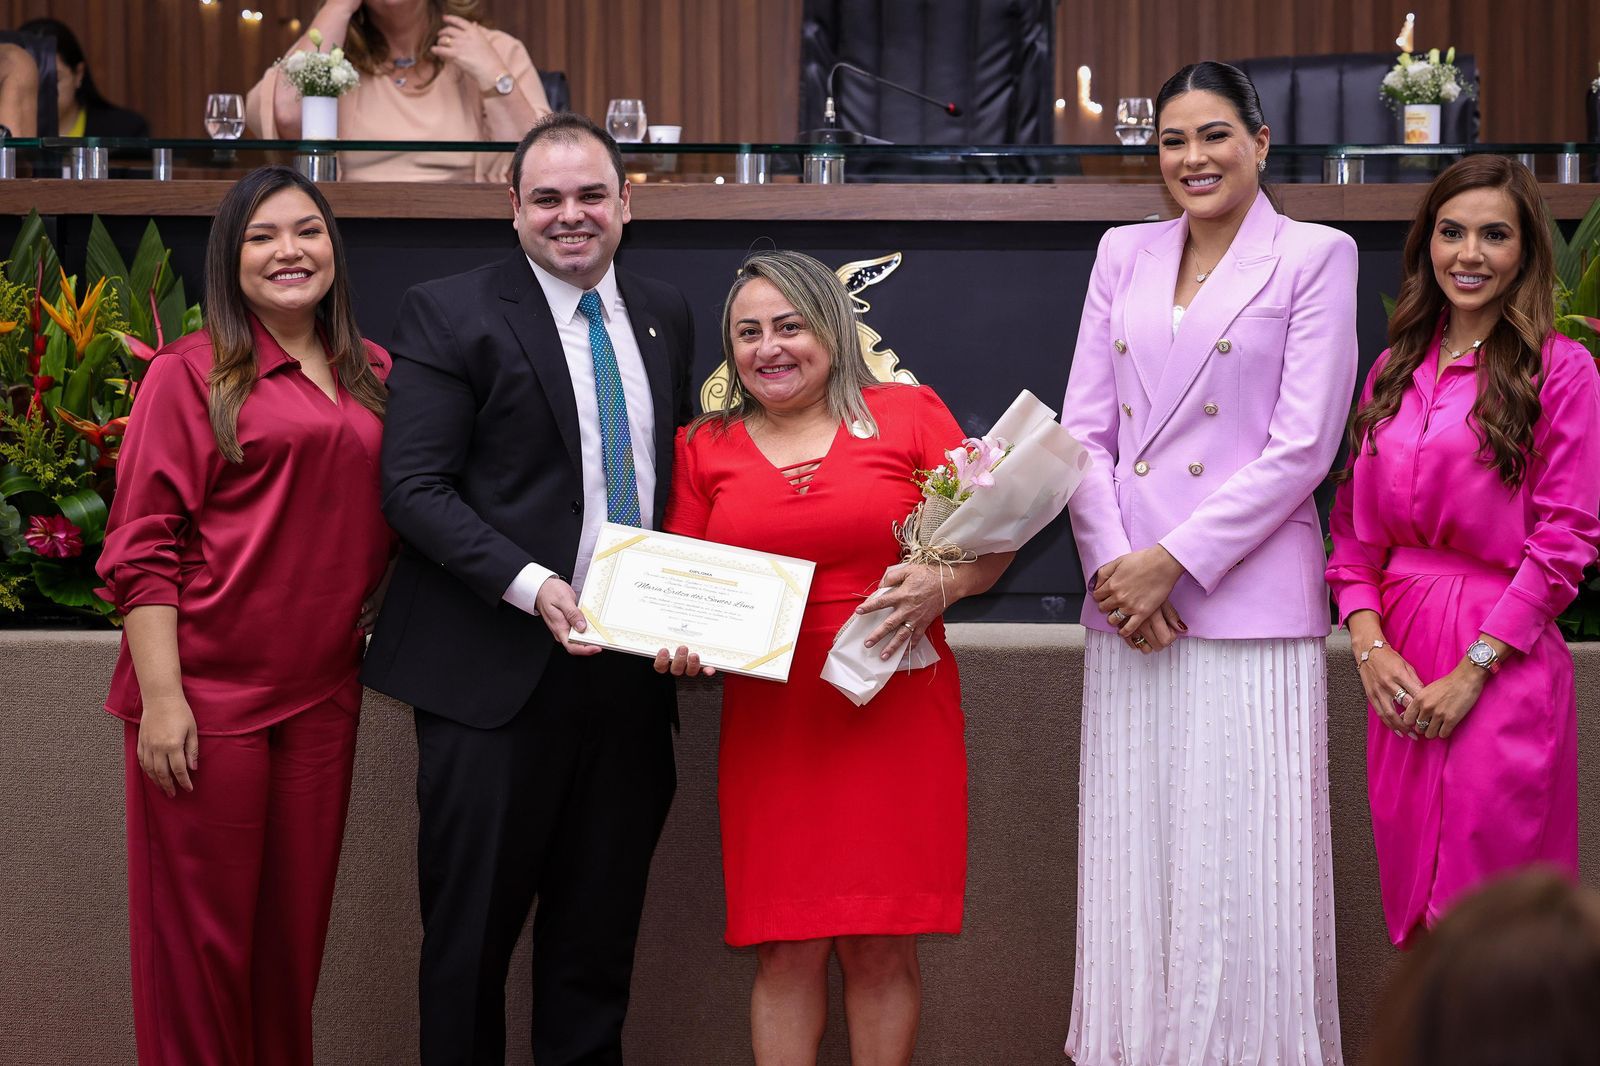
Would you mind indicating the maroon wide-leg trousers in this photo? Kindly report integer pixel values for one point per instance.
(230, 887)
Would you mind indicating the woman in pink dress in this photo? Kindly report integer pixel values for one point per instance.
(1463, 526)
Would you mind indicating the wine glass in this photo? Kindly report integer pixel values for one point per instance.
(225, 116)
(1136, 120)
(625, 120)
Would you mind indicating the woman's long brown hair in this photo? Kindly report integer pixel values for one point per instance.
(368, 49)
(1510, 359)
(233, 346)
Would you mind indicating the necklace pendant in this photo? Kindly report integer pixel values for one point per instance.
(1200, 279)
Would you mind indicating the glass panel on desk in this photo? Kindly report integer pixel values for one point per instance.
(693, 163)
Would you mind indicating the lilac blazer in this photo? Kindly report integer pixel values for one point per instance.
(1211, 442)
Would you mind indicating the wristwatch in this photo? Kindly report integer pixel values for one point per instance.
(1482, 656)
(502, 85)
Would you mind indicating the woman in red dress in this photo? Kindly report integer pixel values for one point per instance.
(843, 827)
(245, 550)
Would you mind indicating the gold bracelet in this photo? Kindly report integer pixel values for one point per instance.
(1361, 660)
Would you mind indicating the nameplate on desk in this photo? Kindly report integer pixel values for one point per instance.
(738, 609)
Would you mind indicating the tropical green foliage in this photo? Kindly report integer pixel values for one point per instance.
(72, 352)
(1578, 316)
(1578, 280)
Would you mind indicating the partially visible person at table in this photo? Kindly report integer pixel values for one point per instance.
(430, 71)
(1510, 977)
(1462, 531)
(82, 110)
(19, 92)
(1214, 364)
(843, 827)
(246, 551)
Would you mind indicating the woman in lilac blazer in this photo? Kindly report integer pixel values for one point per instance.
(1215, 364)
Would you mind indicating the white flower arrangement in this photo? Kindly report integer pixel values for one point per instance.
(1434, 79)
(316, 73)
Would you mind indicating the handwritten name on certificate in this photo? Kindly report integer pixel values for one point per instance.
(738, 609)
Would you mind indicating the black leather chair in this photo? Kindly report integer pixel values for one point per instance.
(993, 58)
(556, 89)
(1592, 110)
(1334, 99)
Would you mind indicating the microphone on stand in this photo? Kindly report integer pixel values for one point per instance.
(832, 133)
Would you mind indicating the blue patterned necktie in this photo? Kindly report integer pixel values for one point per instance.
(616, 443)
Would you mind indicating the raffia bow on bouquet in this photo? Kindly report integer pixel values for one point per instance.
(993, 495)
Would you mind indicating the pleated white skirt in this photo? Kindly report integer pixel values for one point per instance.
(1205, 873)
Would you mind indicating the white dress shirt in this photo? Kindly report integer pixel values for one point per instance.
(573, 327)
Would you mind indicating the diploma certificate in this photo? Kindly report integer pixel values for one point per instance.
(738, 609)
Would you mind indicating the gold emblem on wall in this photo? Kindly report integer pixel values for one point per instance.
(856, 277)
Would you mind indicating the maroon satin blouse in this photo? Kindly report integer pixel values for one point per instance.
(267, 561)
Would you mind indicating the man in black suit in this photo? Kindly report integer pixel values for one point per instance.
(530, 399)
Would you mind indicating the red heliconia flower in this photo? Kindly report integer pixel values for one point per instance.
(53, 537)
(42, 383)
(38, 295)
(106, 438)
(137, 348)
(155, 315)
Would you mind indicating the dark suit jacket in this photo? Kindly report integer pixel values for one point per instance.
(482, 475)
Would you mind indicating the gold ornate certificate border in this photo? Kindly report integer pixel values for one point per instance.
(770, 661)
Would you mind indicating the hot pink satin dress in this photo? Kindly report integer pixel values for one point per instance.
(1429, 537)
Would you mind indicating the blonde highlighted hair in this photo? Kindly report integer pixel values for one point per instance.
(816, 292)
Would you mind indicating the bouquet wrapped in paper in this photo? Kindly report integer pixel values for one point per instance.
(993, 495)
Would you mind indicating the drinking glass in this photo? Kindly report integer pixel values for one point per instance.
(225, 116)
(625, 120)
(1136, 120)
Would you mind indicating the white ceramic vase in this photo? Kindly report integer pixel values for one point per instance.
(319, 118)
(1421, 124)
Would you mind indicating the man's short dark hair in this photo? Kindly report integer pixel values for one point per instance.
(566, 126)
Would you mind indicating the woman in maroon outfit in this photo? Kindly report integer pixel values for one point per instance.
(246, 550)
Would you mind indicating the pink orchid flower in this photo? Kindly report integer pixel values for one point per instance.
(53, 537)
(973, 463)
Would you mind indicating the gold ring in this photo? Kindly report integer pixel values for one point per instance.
(908, 627)
(1139, 641)
(1117, 617)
